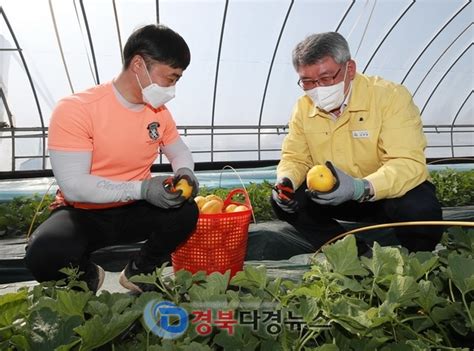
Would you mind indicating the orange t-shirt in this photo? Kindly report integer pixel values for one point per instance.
(124, 143)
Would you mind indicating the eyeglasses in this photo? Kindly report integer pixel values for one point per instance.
(307, 83)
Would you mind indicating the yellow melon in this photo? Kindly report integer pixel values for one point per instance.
(212, 206)
(230, 208)
(241, 208)
(200, 201)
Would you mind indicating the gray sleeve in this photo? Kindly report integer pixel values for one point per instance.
(72, 172)
(179, 155)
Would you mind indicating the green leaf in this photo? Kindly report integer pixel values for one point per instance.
(378, 318)
(72, 303)
(184, 278)
(249, 301)
(357, 317)
(420, 263)
(199, 277)
(107, 303)
(97, 332)
(386, 261)
(402, 290)
(347, 341)
(270, 345)
(200, 297)
(242, 339)
(315, 291)
(351, 313)
(194, 346)
(12, 307)
(170, 345)
(228, 342)
(45, 302)
(142, 300)
(461, 271)
(213, 288)
(327, 347)
(434, 336)
(308, 309)
(418, 345)
(342, 339)
(274, 286)
(342, 255)
(233, 299)
(19, 341)
(251, 277)
(258, 275)
(69, 346)
(97, 308)
(48, 331)
(400, 346)
(288, 339)
(347, 283)
(148, 278)
(428, 297)
(460, 239)
(218, 282)
(121, 304)
(445, 313)
(459, 326)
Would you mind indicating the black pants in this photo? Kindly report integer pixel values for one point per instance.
(317, 223)
(70, 235)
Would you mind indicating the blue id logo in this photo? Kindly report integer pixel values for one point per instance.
(165, 319)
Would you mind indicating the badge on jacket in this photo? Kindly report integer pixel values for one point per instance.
(153, 130)
(360, 134)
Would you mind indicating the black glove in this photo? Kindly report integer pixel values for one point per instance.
(283, 194)
(188, 174)
(158, 191)
(346, 188)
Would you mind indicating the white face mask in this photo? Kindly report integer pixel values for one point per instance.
(328, 98)
(156, 95)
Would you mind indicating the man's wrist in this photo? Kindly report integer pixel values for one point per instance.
(184, 171)
(364, 190)
(358, 189)
(143, 188)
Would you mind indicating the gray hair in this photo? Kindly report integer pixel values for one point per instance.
(318, 46)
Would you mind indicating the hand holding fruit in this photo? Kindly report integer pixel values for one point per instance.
(320, 178)
(283, 194)
(328, 185)
(185, 180)
(158, 192)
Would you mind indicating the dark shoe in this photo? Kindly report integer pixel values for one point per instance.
(130, 271)
(96, 282)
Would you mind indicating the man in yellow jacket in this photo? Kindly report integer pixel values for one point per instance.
(369, 132)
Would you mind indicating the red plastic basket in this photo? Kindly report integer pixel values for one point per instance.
(219, 242)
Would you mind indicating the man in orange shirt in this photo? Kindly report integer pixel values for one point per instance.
(102, 143)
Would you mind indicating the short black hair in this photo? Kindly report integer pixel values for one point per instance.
(158, 43)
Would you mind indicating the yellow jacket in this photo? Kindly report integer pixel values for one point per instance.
(379, 137)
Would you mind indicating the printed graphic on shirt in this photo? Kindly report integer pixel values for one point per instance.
(153, 130)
